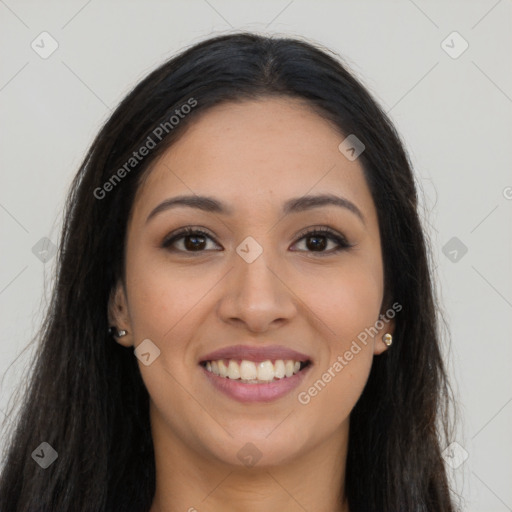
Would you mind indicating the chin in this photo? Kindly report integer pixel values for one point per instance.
(259, 447)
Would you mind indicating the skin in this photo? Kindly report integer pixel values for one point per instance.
(253, 156)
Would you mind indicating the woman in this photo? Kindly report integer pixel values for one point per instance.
(243, 316)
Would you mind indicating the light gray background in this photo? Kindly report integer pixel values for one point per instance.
(454, 114)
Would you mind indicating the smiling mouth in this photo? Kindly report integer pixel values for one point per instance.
(251, 372)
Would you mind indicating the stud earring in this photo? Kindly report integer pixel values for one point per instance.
(113, 331)
(387, 339)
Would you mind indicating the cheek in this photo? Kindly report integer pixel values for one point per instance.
(346, 302)
(161, 297)
(346, 298)
(334, 392)
(164, 306)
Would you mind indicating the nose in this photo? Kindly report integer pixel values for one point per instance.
(256, 296)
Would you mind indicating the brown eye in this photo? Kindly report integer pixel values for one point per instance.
(187, 240)
(316, 243)
(317, 240)
(194, 242)
(191, 240)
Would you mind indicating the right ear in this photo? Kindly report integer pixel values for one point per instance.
(118, 314)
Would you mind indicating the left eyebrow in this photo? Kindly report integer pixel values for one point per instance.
(295, 205)
(303, 203)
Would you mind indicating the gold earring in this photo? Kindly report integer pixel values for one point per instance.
(387, 339)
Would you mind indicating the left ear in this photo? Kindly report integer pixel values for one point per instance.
(389, 328)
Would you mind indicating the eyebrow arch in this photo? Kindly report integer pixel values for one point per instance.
(295, 205)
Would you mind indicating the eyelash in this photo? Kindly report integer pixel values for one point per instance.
(310, 232)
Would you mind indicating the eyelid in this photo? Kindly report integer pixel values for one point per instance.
(324, 230)
(183, 232)
(329, 232)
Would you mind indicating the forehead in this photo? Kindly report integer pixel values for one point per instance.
(255, 153)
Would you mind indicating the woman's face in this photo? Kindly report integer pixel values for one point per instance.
(254, 280)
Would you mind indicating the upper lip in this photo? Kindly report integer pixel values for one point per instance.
(255, 354)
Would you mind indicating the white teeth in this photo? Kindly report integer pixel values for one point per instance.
(248, 370)
(233, 370)
(266, 371)
(223, 369)
(279, 369)
(252, 372)
(288, 365)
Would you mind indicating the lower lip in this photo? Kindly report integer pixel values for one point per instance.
(248, 393)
